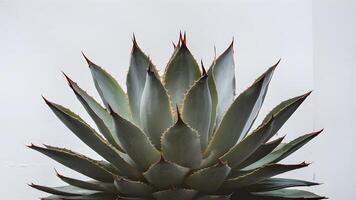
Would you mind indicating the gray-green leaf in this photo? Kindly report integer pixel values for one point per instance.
(155, 112)
(109, 90)
(181, 72)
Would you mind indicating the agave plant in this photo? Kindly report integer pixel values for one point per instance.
(180, 137)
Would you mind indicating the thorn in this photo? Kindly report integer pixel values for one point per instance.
(180, 36)
(134, 39)
(57, 174)
(46, 100)
(221, 162)
(111, 111)
(162, 160)
(87, 59)
(178, 114)
(185, 38)
(174, 45)
(204, 74)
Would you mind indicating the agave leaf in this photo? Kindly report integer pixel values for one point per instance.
(260, 152)
(133, 188)
(208, 179)
(77, 162)
(284, 151)
(214, 197)
(175, 194)
(135, 143)
(89, 136)
(181, 72)
(288, 194)
(283, 111)
(109, 90)
(196, 109)
(239, 118)
(100, 116)
(64, 190)
(136, 78)
(181, 145)
(97, 196)
(214, 101)
(155, 113)
(241, 151)
(278, 183)
(223, 70)
(165, 174)
(258, 175)
(89, 185)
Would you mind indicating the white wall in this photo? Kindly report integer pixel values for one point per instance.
(40, 38)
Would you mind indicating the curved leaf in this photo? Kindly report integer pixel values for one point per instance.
(77, 162)
(241, 151)
(284, 150)
(63, 190)
(239, 117)
(175, 194)
(288, 194)
(181, 72)
(260, 152)
(181, 145)
(89, 185)
(278, 183)
(155, 113)
(208, 179)
(136, 78)
(214, 101)
(109, 90)
(135, 143)
(133, 188)
(89, 136)
(165, 174)
(283, 111)
(196, 109)
(224, 76)
(258, 175)
(100, 116)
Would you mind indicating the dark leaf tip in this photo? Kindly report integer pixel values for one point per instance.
(87, 59)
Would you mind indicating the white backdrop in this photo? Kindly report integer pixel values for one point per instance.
(40, 38)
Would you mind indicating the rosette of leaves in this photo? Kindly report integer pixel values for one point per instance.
(182, 136)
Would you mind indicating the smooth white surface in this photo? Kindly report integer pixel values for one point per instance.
(38, 39)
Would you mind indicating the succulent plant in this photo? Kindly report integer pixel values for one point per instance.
(180, 137)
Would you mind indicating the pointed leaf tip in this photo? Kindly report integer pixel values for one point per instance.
(204, 74)
(87, 59)
(179, 118)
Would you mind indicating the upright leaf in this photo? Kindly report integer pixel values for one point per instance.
(155, 112)
(214, 101)
(239, 117)
(136, 78)
(109, 90)
(175, 194)
(223, 70)
(181, 145)
(135, 143)
(164, 174)
(181, 72)
(89, 136)
(208, 179)
(197, 109)
(133, 188)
